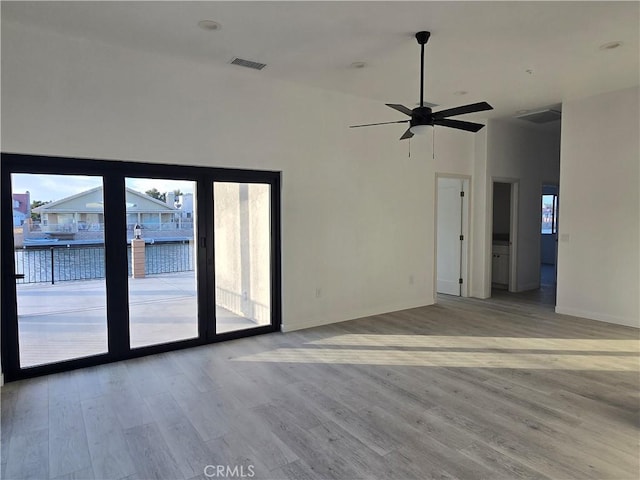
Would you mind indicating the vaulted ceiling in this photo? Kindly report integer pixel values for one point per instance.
(515, 55)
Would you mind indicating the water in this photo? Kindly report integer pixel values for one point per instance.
(87, 262)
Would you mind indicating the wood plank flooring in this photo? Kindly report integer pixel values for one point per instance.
(469, 389)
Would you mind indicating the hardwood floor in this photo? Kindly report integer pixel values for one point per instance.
(465, 389)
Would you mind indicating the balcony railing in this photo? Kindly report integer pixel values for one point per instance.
(59, 228)
(99, 227)
(58, 264)
(164, 226)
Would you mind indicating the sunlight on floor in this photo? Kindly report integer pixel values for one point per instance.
(510, 343)
(447, 359)
(533, 353)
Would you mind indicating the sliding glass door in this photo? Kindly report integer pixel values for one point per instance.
(107, 260)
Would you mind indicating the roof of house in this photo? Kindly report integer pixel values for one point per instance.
(91, 201)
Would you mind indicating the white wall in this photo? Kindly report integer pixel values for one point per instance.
(532, 158)
(357, 212)
(453, 150)
(599, 230)
(480, 220)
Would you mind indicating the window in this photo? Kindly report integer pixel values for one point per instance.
(549, 214)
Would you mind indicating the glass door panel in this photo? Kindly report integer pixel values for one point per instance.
(58, 231)
(161, 228)
(242, 233)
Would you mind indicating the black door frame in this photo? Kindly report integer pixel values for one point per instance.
(113, 174)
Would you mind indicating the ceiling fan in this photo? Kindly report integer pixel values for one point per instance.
(422, 117)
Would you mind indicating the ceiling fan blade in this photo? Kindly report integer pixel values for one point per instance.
(406, 134)
(372, 124)
(460, 125)
(400, 108)
(471, 108)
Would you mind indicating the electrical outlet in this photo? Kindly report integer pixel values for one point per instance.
(411, 279)
(318, 292)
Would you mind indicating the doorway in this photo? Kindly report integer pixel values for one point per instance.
(452, 226)
(504, 234)
(549, 237)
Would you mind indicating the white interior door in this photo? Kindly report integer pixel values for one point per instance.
(450, 230)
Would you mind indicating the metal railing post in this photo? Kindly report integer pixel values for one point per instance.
(52, 277)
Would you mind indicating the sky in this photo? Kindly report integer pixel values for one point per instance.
(55, 187)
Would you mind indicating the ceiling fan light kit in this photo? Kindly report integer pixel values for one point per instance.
(423, 117)
(419, 129)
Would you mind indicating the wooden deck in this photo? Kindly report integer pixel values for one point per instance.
(68, 320)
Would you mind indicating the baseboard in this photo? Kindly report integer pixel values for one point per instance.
(480, 295)
(310, 324)
(528, 286)
(318, 322)
(601, 317)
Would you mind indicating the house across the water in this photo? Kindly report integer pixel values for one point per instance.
(21, 208)
(80, 218)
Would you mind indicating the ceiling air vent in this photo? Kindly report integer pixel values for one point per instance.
(541, 116)
(247, 63)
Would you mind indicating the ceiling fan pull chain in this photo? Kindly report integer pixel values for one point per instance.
(433, 143)
(409, 148)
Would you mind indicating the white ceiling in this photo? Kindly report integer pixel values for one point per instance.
(515, 55)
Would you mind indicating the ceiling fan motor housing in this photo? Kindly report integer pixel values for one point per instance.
(421, 116)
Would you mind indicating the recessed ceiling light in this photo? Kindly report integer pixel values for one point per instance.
(611, 45)
(209, 25)
(358, 65)
(460, 92)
